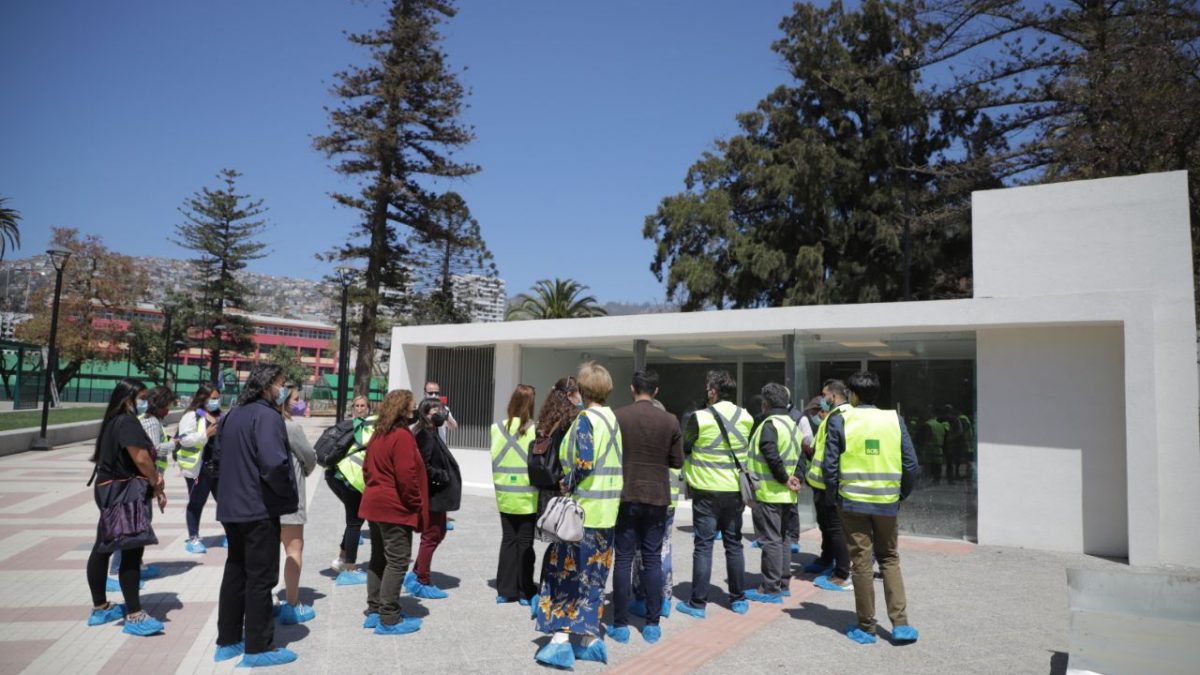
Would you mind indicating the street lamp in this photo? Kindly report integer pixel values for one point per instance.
(216, 362)
(345, 275)
(128, 351)
(58, 258)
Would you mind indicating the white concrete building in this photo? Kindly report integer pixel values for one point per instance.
(1075, 359)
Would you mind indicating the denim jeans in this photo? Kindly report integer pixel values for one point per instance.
(640, 527)
(713, 511)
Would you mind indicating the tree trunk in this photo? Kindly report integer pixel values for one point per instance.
(376, 259)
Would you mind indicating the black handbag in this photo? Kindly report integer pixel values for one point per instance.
(124, 515)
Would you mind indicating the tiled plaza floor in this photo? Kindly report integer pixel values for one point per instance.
(979, 609)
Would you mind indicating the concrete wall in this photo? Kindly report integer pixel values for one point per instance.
(1052, 439)
(543, 367)
(20, 440)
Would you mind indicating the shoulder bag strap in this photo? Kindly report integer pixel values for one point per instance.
(725, 435)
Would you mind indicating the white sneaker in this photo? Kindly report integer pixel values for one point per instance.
(339, 566)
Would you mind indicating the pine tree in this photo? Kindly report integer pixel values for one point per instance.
(452, 247)
(222, 226)
(397, 126)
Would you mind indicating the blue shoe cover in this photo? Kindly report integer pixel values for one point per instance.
(597, 651)
(371, 620)
(410, 582)
(823, 582)
(224, 543)
(859, 635)
(755, 544)
(904, 634)
(196, 546)
(769, 598)
(619, 633)
(351, 578)
(666, 607)
(651, 633)
(224, 653)
(501, 600)
(102, 616)
(290, 615)
(278, 657)
(815, 567)
(429, 592)
(449, 525)
(361, 539)
(151, 572)
(533, 606)
(689, 610)
(795, 548)
(740, 606)
(147, 626)
(403, 627)
(718, 536)
(560, 655)
(112, 585)
(524, 602)
(637, 608)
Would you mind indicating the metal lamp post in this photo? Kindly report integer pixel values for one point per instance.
(344, 276)
(180, 345)
(128, 351)
(216, 362)
(58, 258)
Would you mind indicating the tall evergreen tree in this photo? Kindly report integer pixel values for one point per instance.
(222, 227)
(452, 247)
(397, 125)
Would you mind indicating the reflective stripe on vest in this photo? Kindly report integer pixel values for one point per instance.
(188, 456)
(510, 468)
(787, 441)
(676, 485)
(160, 462)
(600, 493)
(870, 468)
(815, 475)
(709, 466)
(351, 466)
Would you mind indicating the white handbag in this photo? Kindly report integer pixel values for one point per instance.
(562, 521)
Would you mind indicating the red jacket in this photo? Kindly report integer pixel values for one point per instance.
(397, 489)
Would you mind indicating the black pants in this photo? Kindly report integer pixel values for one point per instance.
(130, 574)
(714, 512)
(514, 572)
(833, 536)
(198, 490)
(639, 527)
(351, 499)
(251, 572)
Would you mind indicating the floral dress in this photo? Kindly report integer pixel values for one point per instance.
(574, 575)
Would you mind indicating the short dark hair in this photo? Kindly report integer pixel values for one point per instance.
(160, 397)
(865, 385)
(645, 382)
(256, 384)
(776, 395)
(720, 380)
(836, 387)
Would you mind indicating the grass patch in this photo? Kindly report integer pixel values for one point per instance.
(23, 419)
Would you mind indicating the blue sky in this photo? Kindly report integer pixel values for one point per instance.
(586, 115)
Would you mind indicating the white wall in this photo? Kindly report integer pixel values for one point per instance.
(1052, 439)
(543, 367)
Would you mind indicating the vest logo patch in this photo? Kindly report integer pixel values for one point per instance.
(872, 446)
(512, 478)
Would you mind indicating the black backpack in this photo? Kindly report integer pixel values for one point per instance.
(334, 443)
(545, 469)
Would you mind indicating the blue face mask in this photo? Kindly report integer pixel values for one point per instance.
(825, 407)
(214, 404)
(282, 396)
(142, 407)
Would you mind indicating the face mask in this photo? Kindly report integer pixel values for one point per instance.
(814, 421)
(213, 405)
(438, 419)
(281, 396)
(297, 408)
(142, 407)
(825, 407)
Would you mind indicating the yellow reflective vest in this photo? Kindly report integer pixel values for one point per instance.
(160, 462)
(351, 466)
(787, 434)
(870, 468)
(815, 476)
(510, 467)
(709, 466)
(676, 485)
(600, 493)
(188, 456)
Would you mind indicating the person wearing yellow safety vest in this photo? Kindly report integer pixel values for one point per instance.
(715, 441)
(651, 449)
(833, 565)
(516, 499)
(345, 479)
(872, 467)
(774, 457)
(197, 428)
(571, 598)
(931, 446)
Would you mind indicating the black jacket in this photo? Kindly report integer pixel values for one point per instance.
(256, 477)
(445, 478)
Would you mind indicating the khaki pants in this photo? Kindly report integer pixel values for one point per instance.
(874, 537)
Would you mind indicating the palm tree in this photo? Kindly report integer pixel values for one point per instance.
(10, 234)
(558, 299)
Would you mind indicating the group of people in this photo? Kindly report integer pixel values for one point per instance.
(626, 469)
